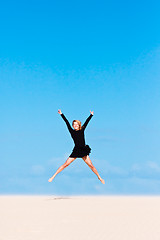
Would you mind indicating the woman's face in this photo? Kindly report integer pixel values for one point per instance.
(76, 126)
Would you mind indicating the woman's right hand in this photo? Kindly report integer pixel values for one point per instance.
(59, 111)
(92, 112)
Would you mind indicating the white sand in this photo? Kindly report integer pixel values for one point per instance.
(79, 218)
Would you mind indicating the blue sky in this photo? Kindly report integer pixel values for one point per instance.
(80, 56)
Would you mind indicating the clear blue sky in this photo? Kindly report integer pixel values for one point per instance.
(79, 56)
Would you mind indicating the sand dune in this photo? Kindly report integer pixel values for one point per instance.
(78, 218)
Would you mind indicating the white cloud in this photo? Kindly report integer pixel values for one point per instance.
(109, 169)
(135, 167)
(58, 160)
(153, 166)
(37, 170)
(148, 169)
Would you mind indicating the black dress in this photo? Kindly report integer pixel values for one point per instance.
(80, 149)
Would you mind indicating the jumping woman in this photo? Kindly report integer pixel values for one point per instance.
(80, 150)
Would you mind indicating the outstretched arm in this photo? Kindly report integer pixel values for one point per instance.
(66, 121)
(87, 120)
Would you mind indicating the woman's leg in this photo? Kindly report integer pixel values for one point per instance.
(66, 164)
(89, 163)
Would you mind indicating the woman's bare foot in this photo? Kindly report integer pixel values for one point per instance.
(102, 180)
(51, 179)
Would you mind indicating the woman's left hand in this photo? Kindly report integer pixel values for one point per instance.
(92, 112)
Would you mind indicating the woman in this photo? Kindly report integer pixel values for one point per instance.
(80, 150)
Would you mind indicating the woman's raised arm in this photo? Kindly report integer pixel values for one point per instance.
(87, 120)
(66, 121)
